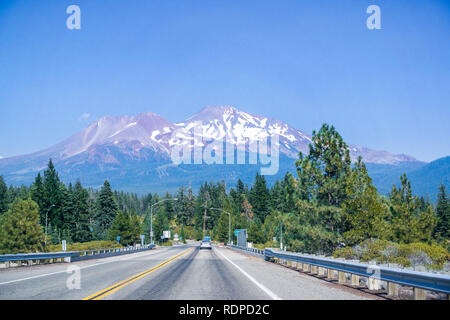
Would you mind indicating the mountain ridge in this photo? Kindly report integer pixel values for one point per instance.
(140, 147)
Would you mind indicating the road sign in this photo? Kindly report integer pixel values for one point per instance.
(64, 247)
(175, 237)
(118, 239)
(242, 238)
(166, 234)
(142, 239)
(236, 231)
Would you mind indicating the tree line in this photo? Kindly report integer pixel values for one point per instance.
(330, 203)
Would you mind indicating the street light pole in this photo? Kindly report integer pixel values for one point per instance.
(281, 236)
(151, 216)
(229, 223)
(46, 219)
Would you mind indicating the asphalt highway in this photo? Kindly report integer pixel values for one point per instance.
(169, 273)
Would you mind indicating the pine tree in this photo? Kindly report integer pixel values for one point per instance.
(20, 231)
(52, 197)
(221, 230)
(409, 223)
(442, 229)
(135, 226)
(289, 193)
(254, 232)
(322, 178)
(38, 196)
(121, 226)
(80, 198)
(160, 224)
(106, 211)
(323, 172)
(190, 207)
(169, 207)
(68, 223)
(365, 214)
(3, 196)
(260, 197)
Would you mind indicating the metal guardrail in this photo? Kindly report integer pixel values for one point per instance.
(71, 256)
(252, 250)
(420, 281)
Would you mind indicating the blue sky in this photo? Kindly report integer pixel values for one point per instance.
(303, 62)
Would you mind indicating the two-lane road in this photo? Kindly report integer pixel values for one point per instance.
(180, 272)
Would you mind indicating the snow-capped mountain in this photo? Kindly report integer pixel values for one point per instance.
(240, 128)
(139, 147)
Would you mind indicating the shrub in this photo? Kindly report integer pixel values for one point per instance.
(346, 253)
(431, 256)
(84, 246)
(167, 243)
(373, 249)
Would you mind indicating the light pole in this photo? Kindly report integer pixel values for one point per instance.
(46, 218)
(281, 236)
(229, 223)
(151, 216)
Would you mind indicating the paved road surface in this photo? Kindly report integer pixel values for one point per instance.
(180, 272)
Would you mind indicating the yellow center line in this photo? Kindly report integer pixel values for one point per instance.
(103, 293)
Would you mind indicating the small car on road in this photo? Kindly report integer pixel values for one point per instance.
(205, 245)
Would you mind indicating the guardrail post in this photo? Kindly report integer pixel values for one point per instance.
(7, 264)
(392, 289)
(306, 267)
(373, 283)
(420, 294)
(313, 269)
(320, 271)
(355, 280)
(341, 277)
(330, 274)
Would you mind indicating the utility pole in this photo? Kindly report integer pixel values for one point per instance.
(281, 237)
(46, 220)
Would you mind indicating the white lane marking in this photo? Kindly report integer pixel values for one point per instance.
(262, 287)
(86, 267)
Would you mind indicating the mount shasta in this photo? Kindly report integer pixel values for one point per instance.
(134, 152)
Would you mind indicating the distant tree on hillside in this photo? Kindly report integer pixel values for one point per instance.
(3, 196)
